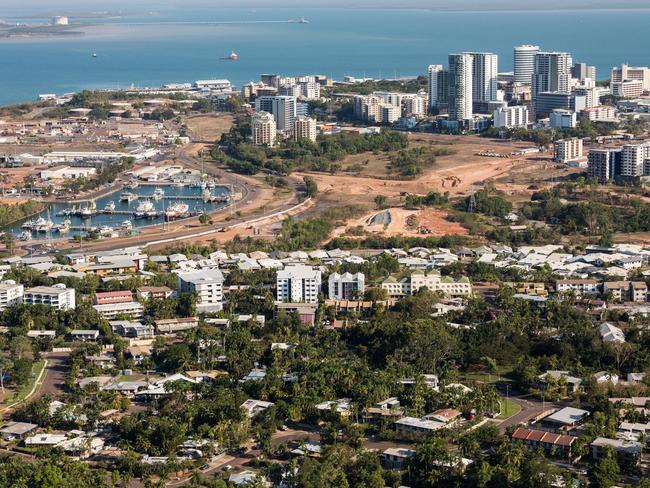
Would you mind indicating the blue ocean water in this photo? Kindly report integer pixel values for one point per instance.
(146, 50)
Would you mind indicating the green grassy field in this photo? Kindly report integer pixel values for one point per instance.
(508, 409)
(21, 394)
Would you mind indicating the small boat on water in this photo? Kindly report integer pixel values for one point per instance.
(28, 224)
(233, 56)
(206, 194)
(88, 211)
(63, 227)
(158, 193)
(132, 185)
(43, 225)
(127, 196)
(146, 209)
(110, 207)
(177, 210)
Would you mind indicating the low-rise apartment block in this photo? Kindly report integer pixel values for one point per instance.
(346, 286)
(207, 284)
(11, 293)
(56, 296)
(298, 284)
(432, 281)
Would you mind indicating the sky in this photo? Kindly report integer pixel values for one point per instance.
(112, 5)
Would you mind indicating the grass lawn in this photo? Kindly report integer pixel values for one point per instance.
(20, 395)
(512, 409)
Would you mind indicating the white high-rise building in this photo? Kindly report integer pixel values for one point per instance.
(283, 108)
(263, 129)
(208, 286)
(415, 106)
(304, 128)
(484, 76)
(298, 284)
(435, 79)
(460, 86)
(525, 63)
(552, 73)
(516, 116)
(632, 159)
(346, 286)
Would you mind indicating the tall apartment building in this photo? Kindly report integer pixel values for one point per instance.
(604, 164)
(283, 109)
(551, 73)
(304, 128)
(346, 286)
(484, 76)
(56, 296)
(582, 72)
(524, 63)
(626, 72)
(263, 129)
(438, 86)
(460, 86)
(207, 284)
(568, 149)
(591, 95)
(11, 293)
(414, 105)
(633, 157)
(515, 116)
(298, 284)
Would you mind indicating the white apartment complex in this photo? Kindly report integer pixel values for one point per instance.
(346, 286)
(438, 85)
(524, 65)
(568, 150)
(626, 72)
(433, 281)
(552, 73)
(56, 296)
(11, 293)
(283, 108)
(484, 76)
(304, 128)
(460, 86)
(627, 88)
(516, 116)
(298, 284)
(208, 286)
(263, 129)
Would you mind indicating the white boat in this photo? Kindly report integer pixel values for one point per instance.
(110, 207)
(28, 224)
(63, 227)
(177, 210)
(127, 225)
(25, 236)
(105, 230)
(145, 206)
(88, 211)
(158, 193)
(127, 196)
(43, 225)
(206, 194)
(132, 185)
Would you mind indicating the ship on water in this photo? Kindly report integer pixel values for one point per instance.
(177, 210)
(145, 209)
(233, 56)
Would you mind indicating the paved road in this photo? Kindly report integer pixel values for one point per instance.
(54, 381)
(530, 409)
